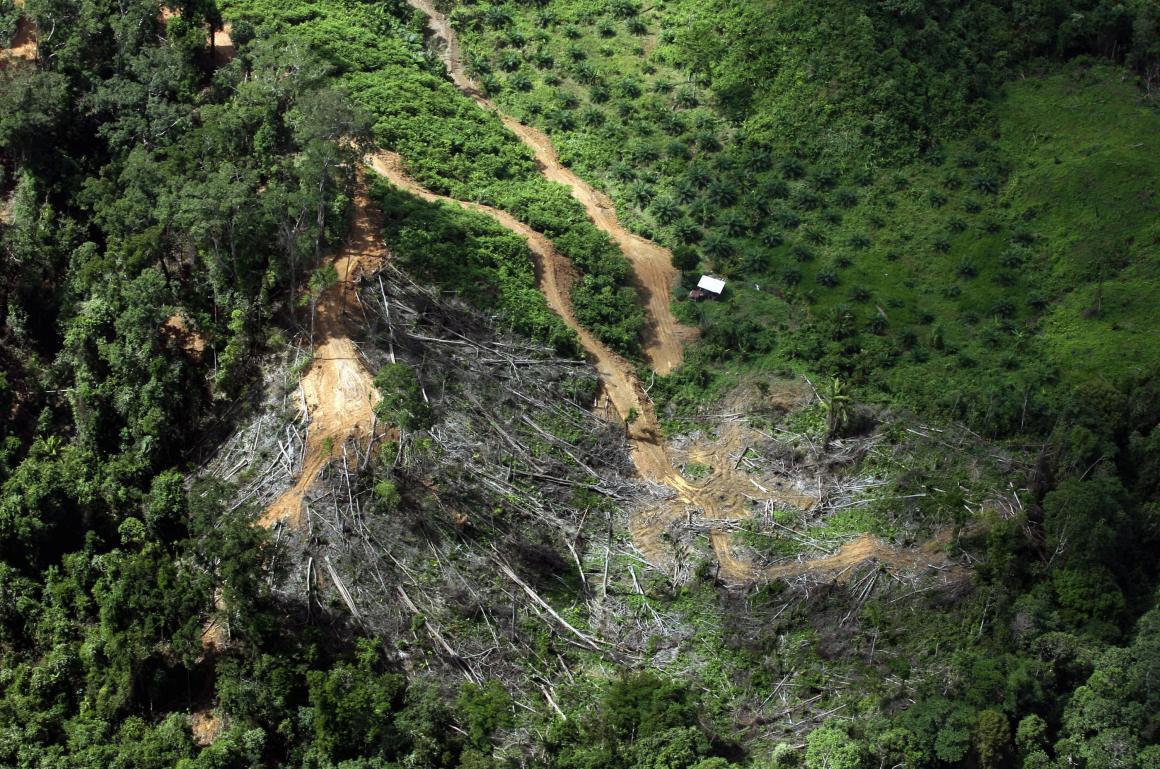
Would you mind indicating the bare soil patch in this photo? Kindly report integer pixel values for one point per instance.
(338, 392)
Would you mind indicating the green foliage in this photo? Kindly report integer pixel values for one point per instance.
(1110, 720)
(829, 747)
(402, 401)
(906, 226)
(475, 256)
(354, 706)
(486, 709)
(992, 739)
(456, 149)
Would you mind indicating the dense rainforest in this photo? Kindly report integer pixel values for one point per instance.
(897, 505)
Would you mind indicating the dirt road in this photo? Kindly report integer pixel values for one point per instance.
(653, 265)
(338, 391)
(720, 497)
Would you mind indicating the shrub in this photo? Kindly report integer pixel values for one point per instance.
(1003, 308)
(858, 242)
(787, 218)
(791, 168)
(623, 9)
(509, 61)
(628, 88)
(774, 189)
(801, 253)
(686, 98)
(665, 210)
(717, 246)
(824, 178)
(806, 200)
(832, 216)
(686, 231)
(734, 224)
(685, 258)
(402, 401)
(771, 237)
(593, 117)
(986, 183)
(721, 193)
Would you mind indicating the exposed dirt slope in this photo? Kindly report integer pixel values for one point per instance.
(721, 497)
(338, 391)
(189, 340)
(222, 45)
(23, 42)
(655, 274)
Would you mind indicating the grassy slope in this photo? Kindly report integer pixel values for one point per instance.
(1074, 148)
(1091, 166)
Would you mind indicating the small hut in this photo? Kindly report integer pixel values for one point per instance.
(708, 287)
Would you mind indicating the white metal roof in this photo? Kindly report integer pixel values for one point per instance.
(711, 284)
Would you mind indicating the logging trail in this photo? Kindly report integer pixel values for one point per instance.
(664, 335)
(723, 496)
(337, 394)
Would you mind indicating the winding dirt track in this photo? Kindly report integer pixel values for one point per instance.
(653, 265)
(338, 391)
(719, 497)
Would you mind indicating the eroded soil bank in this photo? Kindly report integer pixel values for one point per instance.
(337, 393)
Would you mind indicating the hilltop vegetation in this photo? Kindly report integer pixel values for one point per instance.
(451, 146)
(945, 215)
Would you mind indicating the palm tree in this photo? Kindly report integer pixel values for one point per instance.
(717, 246)
(721, 193)
(665, 210)
(734, 224)
(836, 404)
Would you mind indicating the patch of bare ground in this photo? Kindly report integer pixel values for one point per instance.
(191, 341)
(23, 45)
(206, 726)
(338, 394)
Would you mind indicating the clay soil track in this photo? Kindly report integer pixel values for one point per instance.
(652, 264)
(338, 391)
